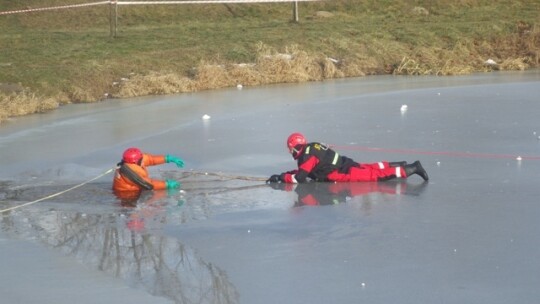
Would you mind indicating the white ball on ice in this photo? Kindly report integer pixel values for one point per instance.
(206, 117)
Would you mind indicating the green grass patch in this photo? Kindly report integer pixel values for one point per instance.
(69, 56)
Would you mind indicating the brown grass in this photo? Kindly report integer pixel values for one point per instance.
(23, 103)
(154, 84)
(73, 61)
(292, 65)
(295, 65)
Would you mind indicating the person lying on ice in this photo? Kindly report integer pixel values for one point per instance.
(132, 175)
(320, 163)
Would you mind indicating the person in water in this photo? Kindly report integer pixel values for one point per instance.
(132, 174)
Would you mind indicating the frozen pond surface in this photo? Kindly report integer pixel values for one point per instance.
(470, 235)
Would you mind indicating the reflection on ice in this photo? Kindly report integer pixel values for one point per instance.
(107, 239)
(123, 236)
(318, 194)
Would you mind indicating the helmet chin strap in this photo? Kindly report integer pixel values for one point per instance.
(139, 162)
(295, 152)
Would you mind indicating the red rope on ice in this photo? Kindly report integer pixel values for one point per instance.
(445, 153)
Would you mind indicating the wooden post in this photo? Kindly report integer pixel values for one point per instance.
(113, 18)
(295, 11)
(110, 20)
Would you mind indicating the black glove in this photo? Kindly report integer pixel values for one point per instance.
(276, 178)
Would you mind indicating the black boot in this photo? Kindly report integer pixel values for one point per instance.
(416, 168)
(397, 164)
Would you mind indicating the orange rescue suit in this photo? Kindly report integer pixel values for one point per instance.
(123, 183)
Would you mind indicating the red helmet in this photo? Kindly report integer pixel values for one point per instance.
(132, 156)
(296, 143)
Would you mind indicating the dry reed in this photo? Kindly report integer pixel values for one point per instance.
(23, 103)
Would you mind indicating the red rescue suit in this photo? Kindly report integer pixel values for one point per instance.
(320, 163)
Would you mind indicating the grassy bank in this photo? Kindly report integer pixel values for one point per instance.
(56, 57)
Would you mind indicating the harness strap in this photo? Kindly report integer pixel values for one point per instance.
(336, 158)
(134, 177)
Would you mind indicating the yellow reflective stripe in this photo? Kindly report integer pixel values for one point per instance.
(336, 156)
(307, 149)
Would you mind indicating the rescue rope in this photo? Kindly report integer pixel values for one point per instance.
(198, 189)
(446, 153)
(59, 193)
(227, 176)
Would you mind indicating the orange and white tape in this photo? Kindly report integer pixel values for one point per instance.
(207, 1)
(53, 8)
(29, 10)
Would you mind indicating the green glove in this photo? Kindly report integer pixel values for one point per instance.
(173, 159)
(172, 184)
